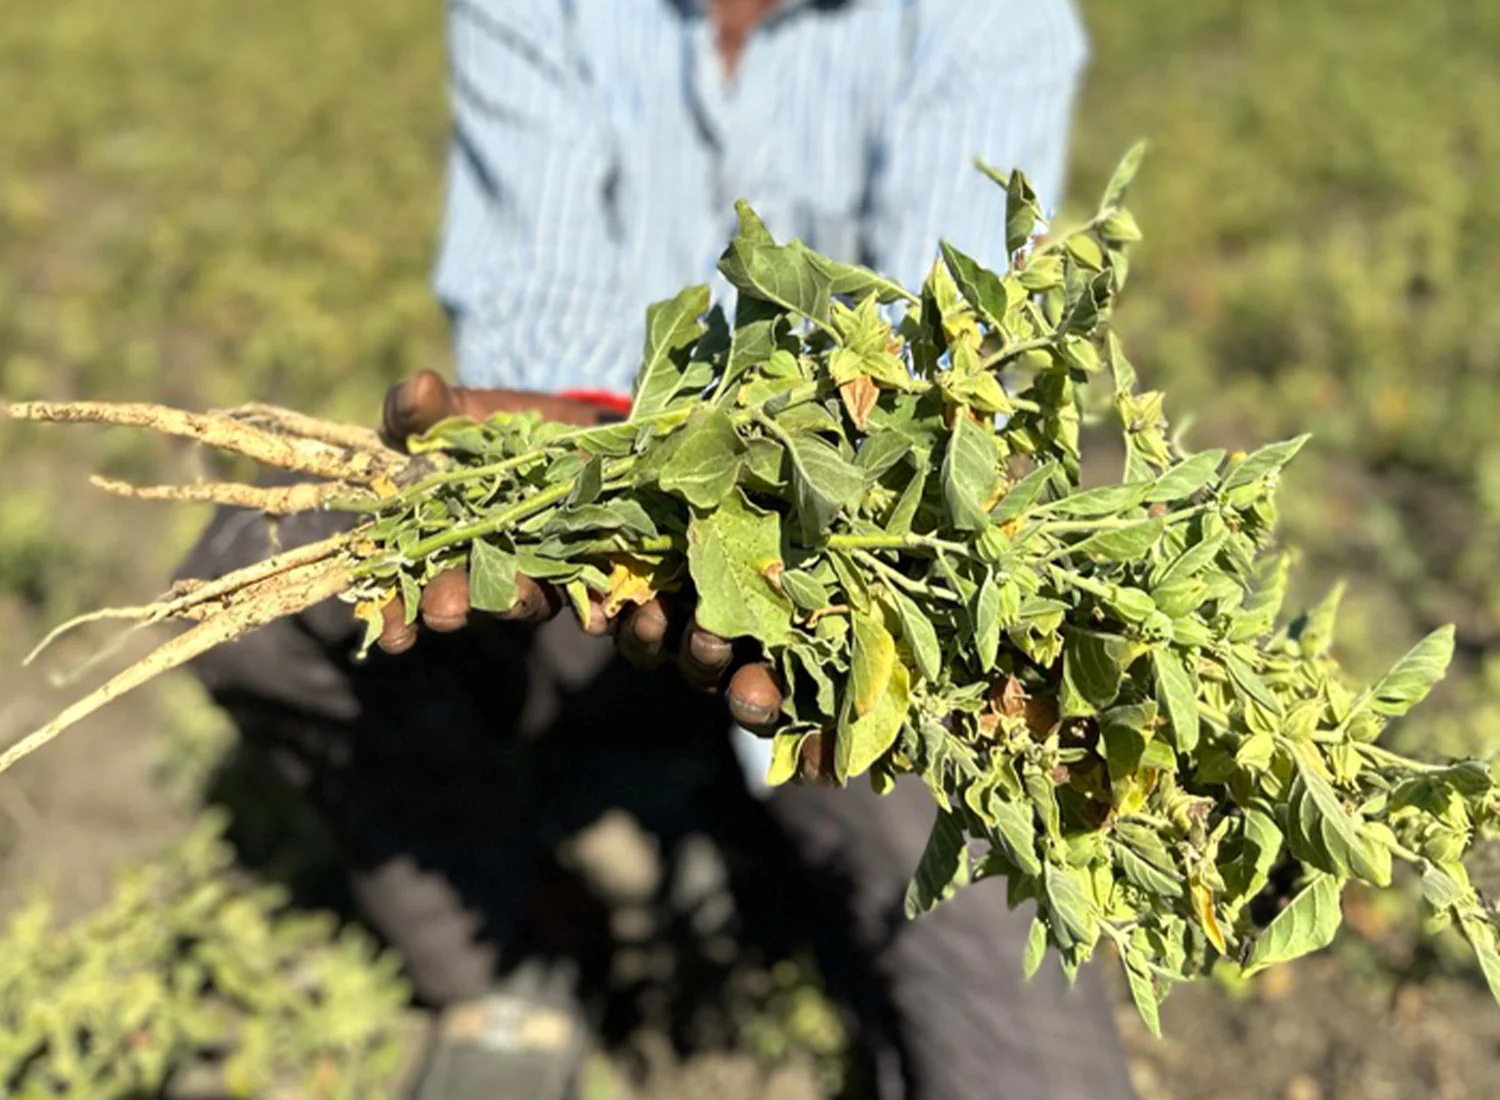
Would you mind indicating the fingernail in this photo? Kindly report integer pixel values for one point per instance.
(396, 634)
(755, 696)
(599, 623)
(649, 624)
(530, 603)
(709, 650)
(445, 603)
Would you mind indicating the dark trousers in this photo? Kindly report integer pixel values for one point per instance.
(442, 774)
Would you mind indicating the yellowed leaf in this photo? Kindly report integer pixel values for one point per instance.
(859, 394)
(1203, 909)
(635, 581)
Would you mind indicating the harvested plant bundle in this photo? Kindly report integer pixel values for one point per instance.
(1096, 684)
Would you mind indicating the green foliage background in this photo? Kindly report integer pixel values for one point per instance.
(204, 202)
(1323, 227)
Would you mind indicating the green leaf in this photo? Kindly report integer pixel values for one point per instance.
(853, 281)
(730, 551)
(1147, 876)
(970, 473)
(823, 483)
(1075, 923)
(986, 614)
(1024, 493)
(1481, 937)
(981, 288)
(1022, 211)
(706, 463)
(786, 752)
(1260, 845)
(1143, 996)
(758, 326)
(492, 578)
(1414, 675)
(1306, 925)
(622, 514)
(874, 662)
(1186, 478)
(1191, 561)
(1119, 183)
(1440, 889)
(918, 633)
(862, 742)
(1323, 834)
(900, 520)
(1127, 543)
(766, 466)
(1120, 368)
(1093, 666)
(1248, 683)
(1036, 948)
(1013, 830)
(1107, 500)
(588, 484)
(881, 451)
(1086, 251)
(411, 599)
(943, 869)
(806, 591)
(1120, 228)
(1177, 691)
(1314, 629)
(1125, 731)
(786, 275)
(671, 326)
(1268, 460)
(1258, 613)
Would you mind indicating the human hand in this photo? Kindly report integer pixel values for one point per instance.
(660, 630)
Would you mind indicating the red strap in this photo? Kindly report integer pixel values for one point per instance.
(614, 402)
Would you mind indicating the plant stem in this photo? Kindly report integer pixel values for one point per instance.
(901, 580)
(891, 542)
(1078, 526)
(1390, 759)
(1004, 355)
(669, 417)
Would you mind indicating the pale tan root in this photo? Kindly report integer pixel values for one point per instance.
(349, 436)
(189, 599)
(273, 598)
(279, 500)
(308, 456)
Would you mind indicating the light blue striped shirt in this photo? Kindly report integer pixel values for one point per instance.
(598, 147)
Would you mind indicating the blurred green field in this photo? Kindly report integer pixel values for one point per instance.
(206, 202)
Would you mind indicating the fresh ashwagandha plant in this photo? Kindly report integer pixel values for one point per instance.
(1096, 684)
(188, 973)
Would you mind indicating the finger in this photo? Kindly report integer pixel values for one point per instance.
(642, 634)
(755, 694)
(704, 657)
(598, 623)
(535, 602)
(815, 764)
(445, 601)
(413, 406)
(396, 634)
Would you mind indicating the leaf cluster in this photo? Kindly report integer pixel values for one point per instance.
(882, 488)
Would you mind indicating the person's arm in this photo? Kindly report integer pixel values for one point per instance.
(994, 80)
(529, 264)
